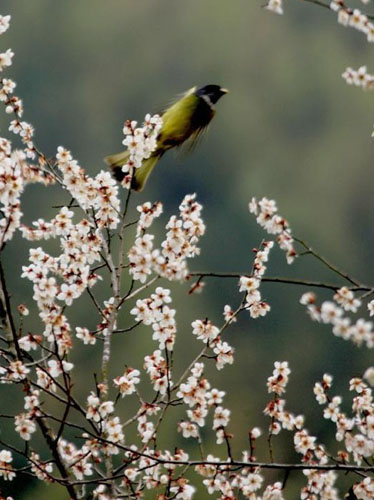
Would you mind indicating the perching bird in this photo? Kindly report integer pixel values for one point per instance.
(185, 119)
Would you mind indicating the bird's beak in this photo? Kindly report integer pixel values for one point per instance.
(224, 91)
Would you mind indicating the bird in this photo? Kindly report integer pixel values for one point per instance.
(185, 119)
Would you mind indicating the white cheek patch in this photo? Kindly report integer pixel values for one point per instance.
(207, 100)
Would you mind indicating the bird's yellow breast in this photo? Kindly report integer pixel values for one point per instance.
(178, 122)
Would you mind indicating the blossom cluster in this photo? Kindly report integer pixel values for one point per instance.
(182, 236)
(159, 372)
(355, 431)
(155, 473)
(110, 427)
(268, 218)
(353, 18)
(15, 174)
(332, 313)
(275, 409)
(148, 213)
(197, 394)
(126, 383)
(155, 311)
(140, 143)
(16, 371)
(78, 459)
(15, 170)
(318, 482)
(251, 284)
(359, 78)
(41, 469)
(80, 245)
(204, 330)
(14, 106)
(99, 193)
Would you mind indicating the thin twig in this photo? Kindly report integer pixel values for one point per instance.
(280, 279)
(333, 268)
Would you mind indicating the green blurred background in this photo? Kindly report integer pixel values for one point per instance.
(290, 129)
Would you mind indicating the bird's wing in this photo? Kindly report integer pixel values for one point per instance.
(194, 140)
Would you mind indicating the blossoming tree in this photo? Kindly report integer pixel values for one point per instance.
(117, 456)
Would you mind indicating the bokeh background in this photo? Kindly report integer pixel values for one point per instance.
(290, 129)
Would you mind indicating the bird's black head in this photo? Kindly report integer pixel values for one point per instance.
(211, 92)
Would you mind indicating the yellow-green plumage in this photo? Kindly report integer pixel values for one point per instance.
(184, 119)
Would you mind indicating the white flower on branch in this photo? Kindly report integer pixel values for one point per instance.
(320, 483)
(188, 429)
(224, 354)
(148, 213)
(112, 429)
(7, 87)
(154, 311)
(68, 293)
(369, 375)
(198, 414)
(56, 367)
(159, 373)
(180, 244)
(77, 459)
(347, 300)
(6, 59)
(12, 185)
(275, 6)
(304, 442)
(126, 382)
(250, 284)
(24, 426)
(228, 314)
(41, 470)
(332, 410)
(6, 471)
(45, 381)
(273, 492)
(99, 193)
(278, 381)
(250, 484)
(359, 78)
(146, 429)
(353, 18)
(183, 491)
(140, 143)
(87, 337)
(194, 390)
(32, 402)
(221, 417)
(361, 332)
(204, 330)
(319, 393)
(267, 217)
(371, 307)
(4, 24)
(16, 371)
(364, 490)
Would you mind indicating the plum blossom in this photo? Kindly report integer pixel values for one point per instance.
(275, 6)
(267, 217)
(126, 382)
(6, 471)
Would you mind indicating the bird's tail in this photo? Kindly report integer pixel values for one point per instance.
(116, 163)
(142, 173)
